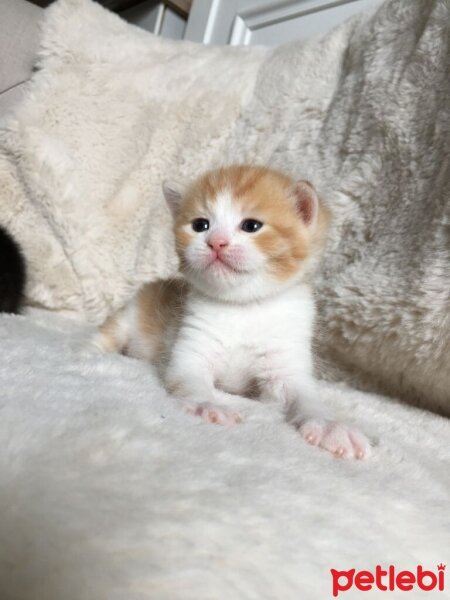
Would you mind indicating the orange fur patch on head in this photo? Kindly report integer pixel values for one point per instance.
(191, 207)
(267, 196)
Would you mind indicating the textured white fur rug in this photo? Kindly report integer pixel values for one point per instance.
(107, 492)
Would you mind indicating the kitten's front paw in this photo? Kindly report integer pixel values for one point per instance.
(211, 413)
(342, 441)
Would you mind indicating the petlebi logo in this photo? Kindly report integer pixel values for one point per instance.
(388, 580)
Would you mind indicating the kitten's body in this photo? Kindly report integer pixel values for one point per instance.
(260, 348)
(147, 326)
(242, 322)
(12, 274)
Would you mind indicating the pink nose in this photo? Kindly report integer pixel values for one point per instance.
(217, 242)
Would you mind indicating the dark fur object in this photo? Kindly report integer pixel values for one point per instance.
(12, 274)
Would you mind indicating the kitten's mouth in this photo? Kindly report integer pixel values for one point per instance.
(219, 262)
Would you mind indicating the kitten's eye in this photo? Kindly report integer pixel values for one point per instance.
(200, 225)
(251, 225)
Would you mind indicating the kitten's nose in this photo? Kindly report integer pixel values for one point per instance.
(217, 242)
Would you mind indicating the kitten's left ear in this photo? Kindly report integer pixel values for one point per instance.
(307, 203)
(173, 193)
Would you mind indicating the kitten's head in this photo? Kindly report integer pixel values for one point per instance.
(246, 232)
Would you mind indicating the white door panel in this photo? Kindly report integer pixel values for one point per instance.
(267, 22)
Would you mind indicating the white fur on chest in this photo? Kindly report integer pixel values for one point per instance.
(240, 344)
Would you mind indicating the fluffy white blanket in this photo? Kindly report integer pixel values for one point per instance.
(107, 492)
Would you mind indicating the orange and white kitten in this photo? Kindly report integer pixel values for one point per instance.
(240, 322)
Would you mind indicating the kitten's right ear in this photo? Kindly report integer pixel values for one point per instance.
(307, 203)
(173, 193)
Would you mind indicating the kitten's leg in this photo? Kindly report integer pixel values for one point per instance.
(135, 330)
(107, 338)
(193, 385)
(190, 397)
(212, 412)
(301, 403)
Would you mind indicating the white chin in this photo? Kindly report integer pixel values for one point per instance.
(219, 269)
(222, 277)
(215, 280)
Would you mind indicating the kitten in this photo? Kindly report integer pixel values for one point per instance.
(241, 321)
(12, 274)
